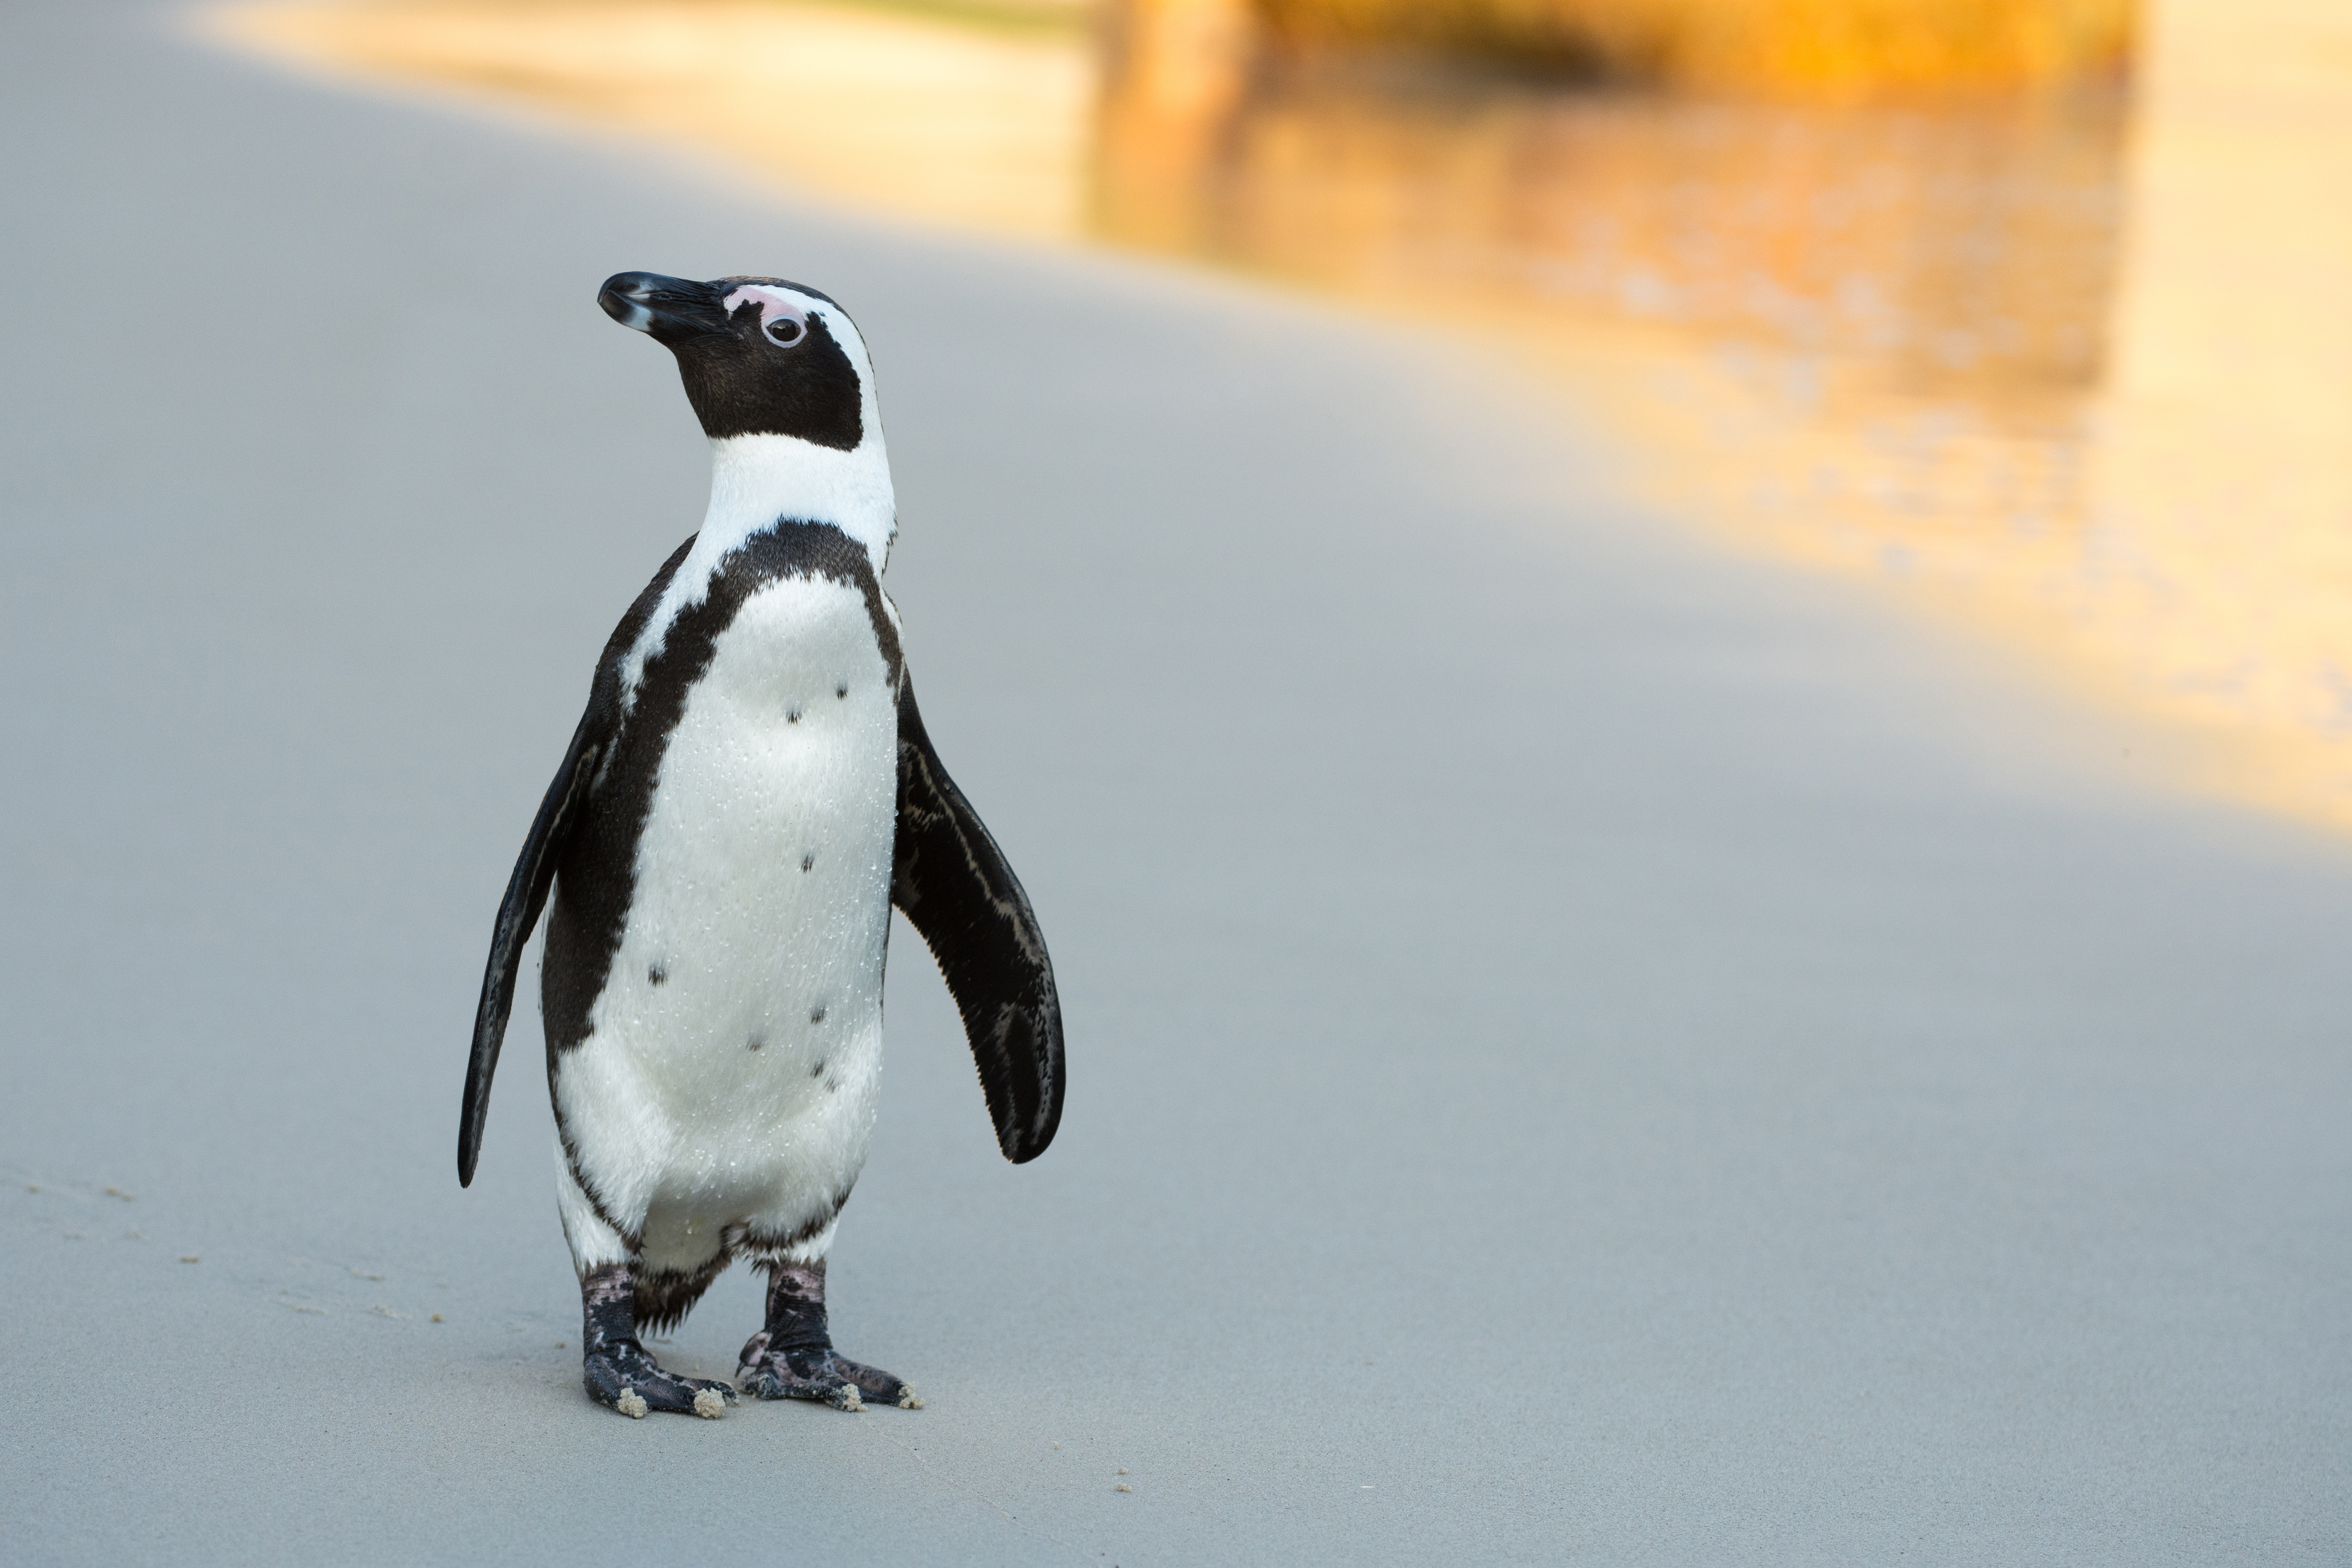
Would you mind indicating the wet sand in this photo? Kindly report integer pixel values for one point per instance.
(1584, 1045)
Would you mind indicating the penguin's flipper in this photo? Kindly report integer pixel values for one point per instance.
(951, 882)
(534, 871)
(534, 874)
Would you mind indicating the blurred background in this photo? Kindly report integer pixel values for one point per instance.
(2029, 312)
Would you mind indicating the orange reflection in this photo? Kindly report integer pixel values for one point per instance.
(1820, 49)
(2080, 376)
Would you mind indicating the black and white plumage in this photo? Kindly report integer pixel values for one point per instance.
(749, 793)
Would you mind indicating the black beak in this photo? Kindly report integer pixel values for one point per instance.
(670, 311)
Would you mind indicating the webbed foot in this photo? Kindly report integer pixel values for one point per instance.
(625, 1377)
(619, 1372)
(822, 1373)
(794, 1358)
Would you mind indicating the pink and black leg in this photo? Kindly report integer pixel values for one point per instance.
(794, 1358)
(617, 1368)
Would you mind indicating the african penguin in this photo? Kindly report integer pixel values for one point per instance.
(749, 793)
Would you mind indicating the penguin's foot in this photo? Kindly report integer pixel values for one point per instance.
(616, 1368)
(819, 1373)
(623, 1376)
(794, 1358)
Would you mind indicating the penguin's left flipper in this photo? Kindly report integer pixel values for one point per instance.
(953, 885)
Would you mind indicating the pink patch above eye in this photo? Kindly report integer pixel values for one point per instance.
(782, 317)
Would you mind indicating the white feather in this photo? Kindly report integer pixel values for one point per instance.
(741, 1089)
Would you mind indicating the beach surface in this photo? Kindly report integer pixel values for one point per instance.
(1585, 1046)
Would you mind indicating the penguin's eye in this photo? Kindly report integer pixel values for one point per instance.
(782, 319)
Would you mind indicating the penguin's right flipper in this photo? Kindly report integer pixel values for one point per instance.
(534, 871)
(955, 887)
(518, 911)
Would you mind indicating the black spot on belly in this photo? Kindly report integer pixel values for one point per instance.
(817, 1016)
(832, 1086)
(842, 690)
(758, 1040)
(808, 861)
(818, 1070)
(792, 715)
(657, 973)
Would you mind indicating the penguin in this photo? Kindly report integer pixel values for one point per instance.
(748, 793)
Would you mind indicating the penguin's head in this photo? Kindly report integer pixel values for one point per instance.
(759, 356)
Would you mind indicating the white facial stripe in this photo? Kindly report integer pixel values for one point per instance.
(639, 319)
(782, 317)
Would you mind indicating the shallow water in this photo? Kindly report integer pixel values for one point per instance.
(2074, 372)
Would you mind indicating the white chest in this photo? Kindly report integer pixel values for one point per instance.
(735, 1045)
